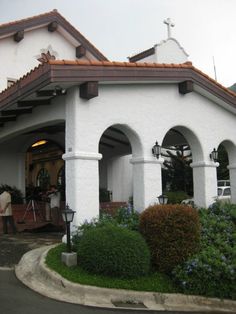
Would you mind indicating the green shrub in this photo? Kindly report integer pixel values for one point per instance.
(113, 251)
(212, 272)
(177, 197)
(172, 233)
(124, 217)
(104, 195)
(16, 195)
(127, 217)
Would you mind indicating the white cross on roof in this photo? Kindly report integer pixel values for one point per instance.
(169, 24)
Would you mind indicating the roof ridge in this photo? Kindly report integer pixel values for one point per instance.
(122, 63)
(74, 32)
(30, 18)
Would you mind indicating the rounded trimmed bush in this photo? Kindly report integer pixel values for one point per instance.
(172, 233)
(113, 251)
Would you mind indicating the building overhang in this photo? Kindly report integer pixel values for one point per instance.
(38, 86)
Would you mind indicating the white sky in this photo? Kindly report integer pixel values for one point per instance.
(120, 28)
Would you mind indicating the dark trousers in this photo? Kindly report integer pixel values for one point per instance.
(8, 220)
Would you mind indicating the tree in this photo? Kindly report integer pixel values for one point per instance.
(177, 174)
(222, 171)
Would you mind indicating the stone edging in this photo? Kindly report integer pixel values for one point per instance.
(51, 284)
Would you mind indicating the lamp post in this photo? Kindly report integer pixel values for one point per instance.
(214, 155)
(68, 216)
(163, 199)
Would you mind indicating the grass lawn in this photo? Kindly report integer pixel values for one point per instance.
(155, 282)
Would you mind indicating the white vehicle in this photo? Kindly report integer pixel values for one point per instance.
(224, 193)
(188, 201)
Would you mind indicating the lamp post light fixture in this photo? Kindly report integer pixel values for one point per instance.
(156, 150)
(163, 199)
(68, 216)
(214, 155)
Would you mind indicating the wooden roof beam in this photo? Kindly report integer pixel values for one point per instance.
(185, 87)
(18, 36)
(7, 119)
(33, 103)
(16, 112)
(89, 90)
(111, 138)
(52, 27)
(80, 51)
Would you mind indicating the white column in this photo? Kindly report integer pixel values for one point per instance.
(232, 176)
(204, 183)
(82, 184)
(21, 172)
(147, 181)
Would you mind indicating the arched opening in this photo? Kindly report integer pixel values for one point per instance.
(222, 170)
(117, 144)
(226, 151)
(177, 174)
(115, 170)
(44, 165)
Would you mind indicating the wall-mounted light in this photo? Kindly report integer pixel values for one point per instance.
(163, 199)
(39, 143)
(58, 91)
(214, 155)
(156, 150)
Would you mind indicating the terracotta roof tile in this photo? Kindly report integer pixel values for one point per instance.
(29, 18)
(41, 68)
(55, 16)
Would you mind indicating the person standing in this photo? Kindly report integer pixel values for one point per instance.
(6, 212)
(54, 196)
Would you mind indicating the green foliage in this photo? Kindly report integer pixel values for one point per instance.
(16, 195)
(172, 233)
(127, 217)
(222, 170)
(113, 251)
(124, 217)
(177, 174)
(212, 272)
(104, 195)
(176, 197)
(155, 282)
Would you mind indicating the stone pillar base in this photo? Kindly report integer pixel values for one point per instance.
(70, 259)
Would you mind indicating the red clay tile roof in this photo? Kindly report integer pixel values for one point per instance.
(87, 70)
(37, 20)
(186, 65)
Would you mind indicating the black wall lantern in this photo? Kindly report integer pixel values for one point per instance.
(214, 155)
(163, 199)
(156, 150)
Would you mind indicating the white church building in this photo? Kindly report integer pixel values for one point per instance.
(107, 116)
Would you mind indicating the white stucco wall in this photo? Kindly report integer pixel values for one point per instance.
(145, 113)
(170, 51)
(12, 166)
(120, 178)
(22, 56)
(167, 51)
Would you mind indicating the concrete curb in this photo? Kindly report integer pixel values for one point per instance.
(34, 273)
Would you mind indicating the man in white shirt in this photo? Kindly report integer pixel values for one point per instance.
(54, 195)
(6, 212)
